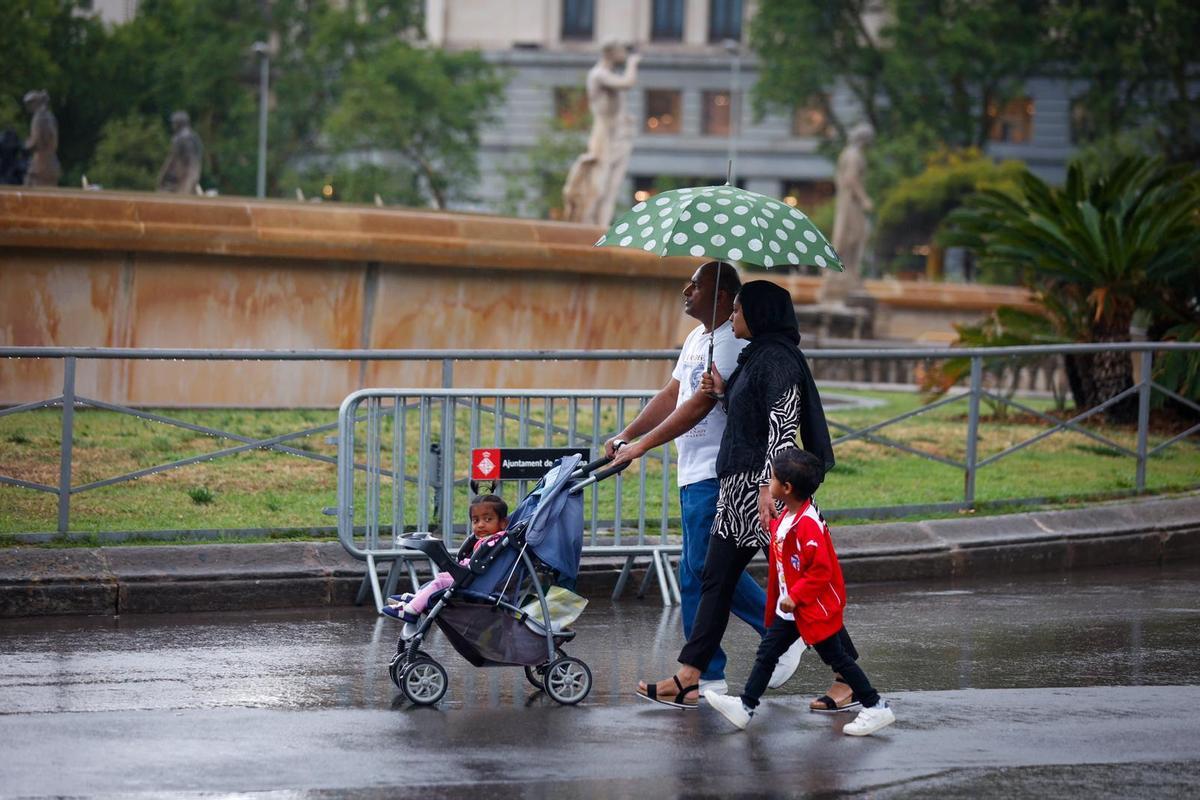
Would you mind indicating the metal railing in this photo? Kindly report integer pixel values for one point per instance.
(523, 418)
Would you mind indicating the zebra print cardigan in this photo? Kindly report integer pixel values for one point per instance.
(773, 371)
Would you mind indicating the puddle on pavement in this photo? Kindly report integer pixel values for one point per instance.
(1122, 627)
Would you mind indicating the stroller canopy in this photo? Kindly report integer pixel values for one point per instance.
(555, 519)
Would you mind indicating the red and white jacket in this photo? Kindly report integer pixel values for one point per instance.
(811, 573)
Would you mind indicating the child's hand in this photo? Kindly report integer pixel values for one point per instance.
(786, 603)
(766, 508)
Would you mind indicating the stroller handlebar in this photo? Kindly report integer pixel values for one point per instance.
(583, 470)
(592, 474)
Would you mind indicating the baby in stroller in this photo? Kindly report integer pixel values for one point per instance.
(494, 610)
(489, 518)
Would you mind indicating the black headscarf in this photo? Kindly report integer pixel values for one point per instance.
(771, 362)
(770, 315)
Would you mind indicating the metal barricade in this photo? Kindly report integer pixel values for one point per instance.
(435, 429)
(404, 458)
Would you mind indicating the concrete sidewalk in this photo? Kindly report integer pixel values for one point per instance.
(201, 577)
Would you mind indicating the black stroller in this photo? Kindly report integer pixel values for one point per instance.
(481, 614)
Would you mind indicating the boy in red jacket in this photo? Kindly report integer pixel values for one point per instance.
(805, 598)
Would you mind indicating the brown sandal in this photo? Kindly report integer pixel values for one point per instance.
(680, 700)
(827, 705)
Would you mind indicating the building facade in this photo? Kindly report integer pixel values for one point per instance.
(691, 103)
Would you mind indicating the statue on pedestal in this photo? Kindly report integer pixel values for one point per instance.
(850, 229)
(42, 144)
(180, 173)
(592, 185)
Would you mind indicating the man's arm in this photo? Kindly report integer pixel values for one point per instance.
(679, 422)
(654, 412)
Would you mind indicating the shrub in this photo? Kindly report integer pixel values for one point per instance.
(201, 495)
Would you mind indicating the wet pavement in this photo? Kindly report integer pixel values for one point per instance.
(1084, 683)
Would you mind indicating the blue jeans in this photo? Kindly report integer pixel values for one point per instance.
(698, 504)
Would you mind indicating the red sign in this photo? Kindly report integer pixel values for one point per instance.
(523, 463)
(485, 464)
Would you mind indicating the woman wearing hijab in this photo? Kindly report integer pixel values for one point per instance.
(769, 397)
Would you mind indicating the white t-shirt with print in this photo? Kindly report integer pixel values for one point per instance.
(698, 447)
(781, 532)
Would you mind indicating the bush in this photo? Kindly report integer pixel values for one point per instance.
(356, 183)
(912, 212)
(131, 151)
(201, 495)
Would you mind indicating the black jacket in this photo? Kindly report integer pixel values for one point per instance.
(770, 365)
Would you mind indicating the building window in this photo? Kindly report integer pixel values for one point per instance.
(807, 195)
(571, 107)
(715, 114)
(577, 19)
(724, 20)
(810, 120)
(1083, 122)
(664, 107)
(666, 21)
(1013, 123)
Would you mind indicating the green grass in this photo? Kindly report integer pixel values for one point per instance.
(286, 493)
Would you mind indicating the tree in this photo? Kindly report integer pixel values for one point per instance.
(48, 44)
(913, 211)
(935, 70)
(195, 57)
(534, 186)
(427, 105)
(130, 153)
(1095, 251)
(1141, 64)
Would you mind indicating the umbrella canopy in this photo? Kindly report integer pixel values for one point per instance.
(722, 223)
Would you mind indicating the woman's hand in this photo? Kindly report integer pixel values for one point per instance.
(766, 508)
(711, 382)
(787, 604)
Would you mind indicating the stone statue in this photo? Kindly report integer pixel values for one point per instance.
(852, 205)
(579, 189)
(44, 169)
(180, 173)
(590, 192)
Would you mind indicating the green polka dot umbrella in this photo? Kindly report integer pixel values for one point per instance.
(722, 223)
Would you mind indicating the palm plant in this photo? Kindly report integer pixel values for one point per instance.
(1095, 251)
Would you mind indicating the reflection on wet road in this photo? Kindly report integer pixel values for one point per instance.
(1105, 628)
(238, 696)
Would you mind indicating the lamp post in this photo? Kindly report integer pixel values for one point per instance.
(734, 49)
(264, 78)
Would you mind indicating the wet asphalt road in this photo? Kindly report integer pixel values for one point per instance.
(1084, 684)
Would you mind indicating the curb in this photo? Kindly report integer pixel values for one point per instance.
(181, 578)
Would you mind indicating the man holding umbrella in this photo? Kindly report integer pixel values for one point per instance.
(695, 422)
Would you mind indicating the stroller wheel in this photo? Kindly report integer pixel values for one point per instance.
(424, 681)
(535, 680)
(568, 680)
(395, 667)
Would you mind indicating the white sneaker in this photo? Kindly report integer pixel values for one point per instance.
(786, 668)
(717, 685)
(870, 720)
(731, 708)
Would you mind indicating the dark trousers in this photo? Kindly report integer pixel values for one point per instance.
(723, 565)
(838, 652)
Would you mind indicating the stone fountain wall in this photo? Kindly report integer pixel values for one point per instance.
(114, 269)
